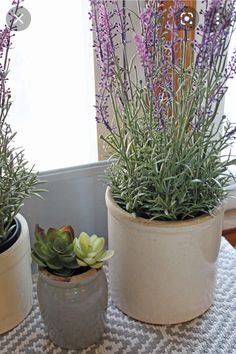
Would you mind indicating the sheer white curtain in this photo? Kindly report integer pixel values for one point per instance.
(52, 82)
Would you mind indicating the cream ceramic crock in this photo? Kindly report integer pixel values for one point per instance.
(162, 272)
(16, 281)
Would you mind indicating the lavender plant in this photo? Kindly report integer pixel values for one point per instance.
(17, 180)
(166, 137)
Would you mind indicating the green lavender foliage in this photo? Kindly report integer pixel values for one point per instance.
(18, 181)
(166, 175)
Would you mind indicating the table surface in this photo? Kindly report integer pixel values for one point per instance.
(213, 332)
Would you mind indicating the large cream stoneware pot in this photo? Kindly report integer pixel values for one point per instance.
(162, 272)
(15, 281)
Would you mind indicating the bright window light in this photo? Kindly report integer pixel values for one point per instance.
(230, 97)
(52, 83)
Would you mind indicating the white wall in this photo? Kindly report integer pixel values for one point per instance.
(75, 196)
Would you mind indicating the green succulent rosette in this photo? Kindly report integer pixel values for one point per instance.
(90, 251)
(55, 250)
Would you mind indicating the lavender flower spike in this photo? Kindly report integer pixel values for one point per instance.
(104, 49)
(144, 55)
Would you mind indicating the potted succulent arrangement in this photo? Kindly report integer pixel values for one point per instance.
(72, 286)
(166, 138)
(17, 182)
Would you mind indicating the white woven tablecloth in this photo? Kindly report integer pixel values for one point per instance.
(213, 333)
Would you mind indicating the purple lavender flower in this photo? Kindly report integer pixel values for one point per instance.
(148, 49)
(5, 43)
(144, 55)
(231, 134)
(4, 39)
(161, 59)
(17, 2)
(165, 98)
(231, 69)
(104, 49)
(219, 21)
(218, 17)
(110, 28)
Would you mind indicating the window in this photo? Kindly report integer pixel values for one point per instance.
(230, 97)
(52, 84)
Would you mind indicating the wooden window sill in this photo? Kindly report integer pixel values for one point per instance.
(229, 226)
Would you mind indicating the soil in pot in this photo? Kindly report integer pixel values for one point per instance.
(13, 236)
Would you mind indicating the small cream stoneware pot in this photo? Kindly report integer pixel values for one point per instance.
(16, 281)
(162, 272)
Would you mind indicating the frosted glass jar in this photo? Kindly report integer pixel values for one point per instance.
(73, 308)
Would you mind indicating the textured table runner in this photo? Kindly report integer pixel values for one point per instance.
(214, 332)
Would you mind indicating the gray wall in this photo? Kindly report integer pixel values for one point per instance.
(75, 196)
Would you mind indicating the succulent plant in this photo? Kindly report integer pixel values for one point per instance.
(90, 251)
(55, 250)
(64, 254)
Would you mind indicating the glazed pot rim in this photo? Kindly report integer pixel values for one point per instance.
(120, 213)
(13, 236)
(73, 280)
